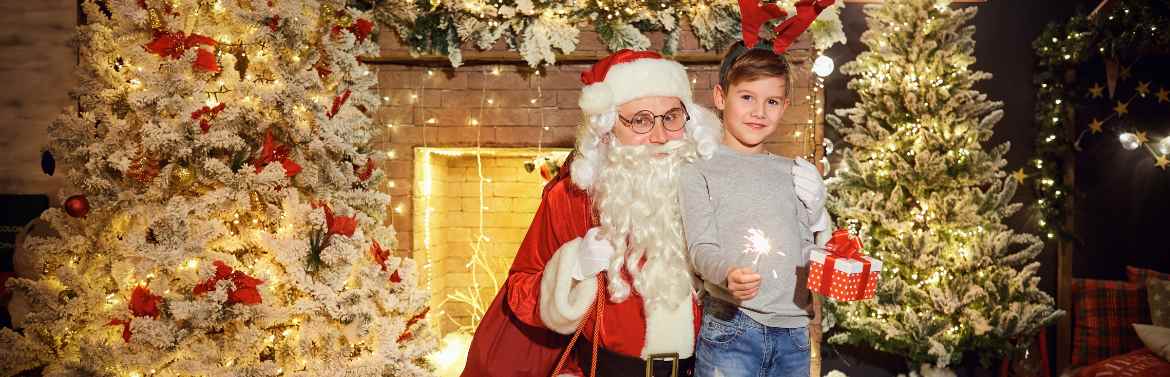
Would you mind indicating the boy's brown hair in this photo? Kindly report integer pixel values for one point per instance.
(746, 64)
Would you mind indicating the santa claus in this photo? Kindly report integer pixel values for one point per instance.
(571, 304)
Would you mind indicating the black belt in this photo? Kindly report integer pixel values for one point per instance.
(611, 364)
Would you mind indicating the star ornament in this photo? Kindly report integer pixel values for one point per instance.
(1161, 162)
(1163, 95)
(1125, 72)
(1122, 108)
(1095, 126)
(1097, 90)
(1019, 176)
(1143, 88)
(1142, 138)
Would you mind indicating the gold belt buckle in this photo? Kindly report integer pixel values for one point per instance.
(673, 363)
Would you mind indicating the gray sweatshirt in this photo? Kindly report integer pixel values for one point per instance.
(726, 197)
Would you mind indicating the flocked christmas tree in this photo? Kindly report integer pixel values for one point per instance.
(235, 228)
(928, 200)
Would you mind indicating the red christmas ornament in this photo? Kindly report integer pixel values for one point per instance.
(77, 206)
(546, 172)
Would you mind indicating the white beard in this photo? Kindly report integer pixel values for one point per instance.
(637, 198)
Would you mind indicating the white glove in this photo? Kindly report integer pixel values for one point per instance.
(593, 256)
(810, 189)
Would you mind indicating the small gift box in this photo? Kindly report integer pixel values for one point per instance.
(841, 272)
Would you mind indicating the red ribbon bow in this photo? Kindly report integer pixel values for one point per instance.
(271, 152)
(142, 304)
(174, 44)
(844, 246)
(754, 13)
(245, 291)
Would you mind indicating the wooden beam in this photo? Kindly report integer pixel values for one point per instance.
(511, 57)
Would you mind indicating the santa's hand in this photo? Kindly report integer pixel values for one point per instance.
(810, 188)
(594, 254)
(743, 283)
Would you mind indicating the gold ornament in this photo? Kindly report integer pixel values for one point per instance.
(345, 20)
(154, 19)
(182, 177)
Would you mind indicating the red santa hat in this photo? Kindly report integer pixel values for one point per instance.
(628, 75)
(624, 76)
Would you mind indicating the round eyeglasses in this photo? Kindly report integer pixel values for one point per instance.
(644, 121)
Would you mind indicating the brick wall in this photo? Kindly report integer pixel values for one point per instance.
(448, 221)
(36, 66)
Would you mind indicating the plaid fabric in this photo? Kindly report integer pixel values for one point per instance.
(1140, 363)
(1104, 311)
(1139, 276)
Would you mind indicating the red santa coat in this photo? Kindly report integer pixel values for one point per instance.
(527, 326)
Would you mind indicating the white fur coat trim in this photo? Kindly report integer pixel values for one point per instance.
(563, 300)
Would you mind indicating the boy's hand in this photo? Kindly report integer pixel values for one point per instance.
(743, 283)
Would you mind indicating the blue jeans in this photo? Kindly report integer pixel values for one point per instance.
(741, 347)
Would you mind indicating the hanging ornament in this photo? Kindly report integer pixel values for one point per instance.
(823, 66)
(1111, 73)
(77, 206)
(1164, 146)
(1129, 141)
(48, 163)
(182, 177)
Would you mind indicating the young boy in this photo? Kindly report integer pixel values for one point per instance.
(757, 307)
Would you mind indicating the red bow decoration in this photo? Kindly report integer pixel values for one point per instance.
(142, 304)
(754, 13)
(360, 29)
(597, 72)
(271, 152)
(173, 45)
(245, 291)
(368, 170)
(337, 102)
(844, 246)
(205, 115)
(406, 335)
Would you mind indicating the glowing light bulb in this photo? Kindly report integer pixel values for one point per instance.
(1129, 141)
(823, 66)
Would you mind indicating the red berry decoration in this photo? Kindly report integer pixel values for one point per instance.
(77, 206)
